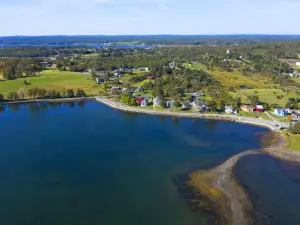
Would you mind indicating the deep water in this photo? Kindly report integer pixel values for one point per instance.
(86, 164)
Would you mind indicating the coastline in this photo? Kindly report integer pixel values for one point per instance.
(220, 192)
(220, 187)
(48, 100)
(271, 125)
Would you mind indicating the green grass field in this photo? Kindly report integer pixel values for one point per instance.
(234, 79)
(267, 95)
(247, 114)
(55, 80)
(293, 142)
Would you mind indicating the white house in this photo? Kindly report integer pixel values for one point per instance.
(170, 104)
(172, 64)
(144, 102)
(196, 104)
(298, 64)
(156, 101)
(280, 112)
(228, 109)
(228, 51)
(197, 94)
(143, 69)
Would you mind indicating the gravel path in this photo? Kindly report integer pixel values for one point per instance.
(223, 175)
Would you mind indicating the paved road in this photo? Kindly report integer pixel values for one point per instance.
(273, 125)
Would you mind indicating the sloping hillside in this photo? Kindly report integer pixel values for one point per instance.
(235, 79)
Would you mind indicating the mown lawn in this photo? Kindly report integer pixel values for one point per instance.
(247, 114)
(269, 95)
(56, 80)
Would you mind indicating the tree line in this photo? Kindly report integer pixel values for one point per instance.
(39, 93)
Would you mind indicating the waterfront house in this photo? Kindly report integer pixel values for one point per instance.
(228, 109)
(139, 100)
(185, 105)
(259, 108)
(156, 101)
(170, 104)
(248, 108)
(289, 111)
(145, 102)
(280, 112)
(196, 104)
(296, 115)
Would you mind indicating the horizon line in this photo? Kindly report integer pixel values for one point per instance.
(116, 35)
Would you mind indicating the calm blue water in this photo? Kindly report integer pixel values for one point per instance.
(75, 45)
(71, 164)
(274, 186)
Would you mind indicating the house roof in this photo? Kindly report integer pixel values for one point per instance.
(259, 107)
(249, 106)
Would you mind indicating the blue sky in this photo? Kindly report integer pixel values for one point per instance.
(113, 17)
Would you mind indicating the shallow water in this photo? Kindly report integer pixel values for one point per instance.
(274, 186)
(78, 164)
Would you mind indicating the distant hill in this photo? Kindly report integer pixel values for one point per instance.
(150, 39)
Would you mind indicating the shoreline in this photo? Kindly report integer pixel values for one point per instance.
(223, 192)
(47, 100)
(271, 125)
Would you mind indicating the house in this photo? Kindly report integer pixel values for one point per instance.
(197, 94)
(228, 51)
(118, 75)
(185, 105)
(289, 111)
(139, 89)
(99, 80)
(170, 104)
(248, 108)
(172, 64)
(145, 102)
(115, 88)
(143, 69)
(280, 112)
(196, 104)
(228, 109)
(112, 78)
(156, 101)
(139, 100)
(292, 73)
(298, 64)
(296, 115)
(204, 106)
(150, 77)
(259, 108)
